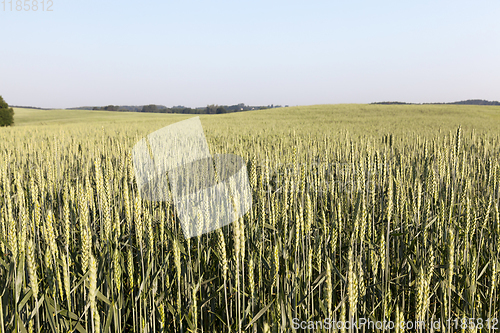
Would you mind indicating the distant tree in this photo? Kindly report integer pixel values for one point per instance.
(220, 109)
(391, 103)
(150, 108)
(211, 109)
(6, 114)
(111, 108)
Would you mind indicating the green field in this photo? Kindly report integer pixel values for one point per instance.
(357, 118)
(35, 117)
(387, 212)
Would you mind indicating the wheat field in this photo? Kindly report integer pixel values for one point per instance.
(346, 223)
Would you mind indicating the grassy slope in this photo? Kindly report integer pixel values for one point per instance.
(27, 117)
(356, 118)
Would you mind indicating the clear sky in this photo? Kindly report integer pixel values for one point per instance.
(195, 53)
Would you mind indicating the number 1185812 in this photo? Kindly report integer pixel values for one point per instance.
(473, 323)
(27, 5)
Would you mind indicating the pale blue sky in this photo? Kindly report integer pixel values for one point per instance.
(195, 53)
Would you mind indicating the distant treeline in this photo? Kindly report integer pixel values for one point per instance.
(474, 102)
(153, 108)
(391, 103)
(467, 102)
(29, 107)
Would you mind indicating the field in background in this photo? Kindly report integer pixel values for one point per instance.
(357, 118)
(359, 211)
(35, 117)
